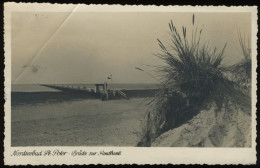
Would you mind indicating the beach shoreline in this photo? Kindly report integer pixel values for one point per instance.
(78, 122)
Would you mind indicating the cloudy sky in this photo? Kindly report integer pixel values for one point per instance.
(81, 47)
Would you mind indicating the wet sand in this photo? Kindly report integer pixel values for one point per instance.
(78, 122)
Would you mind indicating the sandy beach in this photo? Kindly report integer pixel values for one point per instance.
(84, 122)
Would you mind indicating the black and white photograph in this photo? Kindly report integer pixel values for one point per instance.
(142, 79)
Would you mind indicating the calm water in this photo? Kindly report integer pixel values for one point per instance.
(38, 88)
(33, 95)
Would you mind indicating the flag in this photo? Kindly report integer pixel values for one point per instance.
(109, 76)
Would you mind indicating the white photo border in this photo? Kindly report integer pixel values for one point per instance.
(129, 155)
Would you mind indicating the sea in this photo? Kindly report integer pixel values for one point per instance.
(121, 86)
(35, 94)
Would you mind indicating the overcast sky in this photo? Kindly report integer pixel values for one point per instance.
(85, 47)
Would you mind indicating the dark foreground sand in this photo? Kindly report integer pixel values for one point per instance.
(86, 122)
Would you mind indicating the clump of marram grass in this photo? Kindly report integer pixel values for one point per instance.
(242, 70)
(192, 79)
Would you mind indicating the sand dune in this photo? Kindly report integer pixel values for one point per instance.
(207, 130)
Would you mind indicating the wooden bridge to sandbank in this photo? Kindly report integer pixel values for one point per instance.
(101, 91)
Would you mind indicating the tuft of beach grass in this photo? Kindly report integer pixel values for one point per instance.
(193, 78)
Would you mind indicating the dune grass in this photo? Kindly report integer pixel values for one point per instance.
(192, 79)
(242, 70)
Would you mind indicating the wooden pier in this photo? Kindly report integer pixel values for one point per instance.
(101, 91)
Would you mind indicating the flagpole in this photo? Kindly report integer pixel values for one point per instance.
(109, 77)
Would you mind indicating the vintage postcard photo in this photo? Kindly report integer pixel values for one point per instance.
(112, 84)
